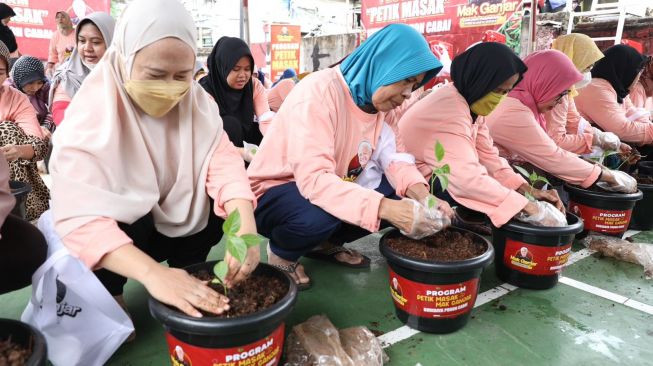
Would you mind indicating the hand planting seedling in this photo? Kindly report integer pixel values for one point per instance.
(533, 178)
(236, 246)
(440, 173)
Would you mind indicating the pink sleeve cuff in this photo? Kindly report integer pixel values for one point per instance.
(93, 240)
(511, 206)
(371, 220)
(403, 176)
(510, 179)
(592, 178)
(232, 191)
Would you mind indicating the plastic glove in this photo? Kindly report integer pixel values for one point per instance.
(622, 182)
(249, 151)
(426, 221)
(547, 215)
(606, 140)
(435, 210)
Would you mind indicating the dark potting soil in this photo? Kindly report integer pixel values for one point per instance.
(445, 246)
(643, 179)
(12, 354)
(254, 294)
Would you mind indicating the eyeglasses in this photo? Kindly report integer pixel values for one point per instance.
(562, 95)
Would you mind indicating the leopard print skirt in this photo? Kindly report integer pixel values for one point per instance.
(26, 170)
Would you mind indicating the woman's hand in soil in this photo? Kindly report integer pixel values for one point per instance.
(174, 286)
(411, 218)
(550, 196)
(540, 213)
(239, 272)
(617, 181)
(625, 149)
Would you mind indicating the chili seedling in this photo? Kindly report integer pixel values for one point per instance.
(441, 173)
(533, 178)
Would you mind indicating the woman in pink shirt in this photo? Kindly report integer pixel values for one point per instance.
(148, 174)
(94, 34)
(605, 101)
(480, 180)
(517, 126)
(239, 96)
(62, 42)
(22, 247)
(563, 123)
(329, 159)
(642, 93)
(279, 92)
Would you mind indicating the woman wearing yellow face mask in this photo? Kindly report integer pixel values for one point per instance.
(154, 174)
(480, 180)
(564, 124)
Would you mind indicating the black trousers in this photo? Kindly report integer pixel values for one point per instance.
(22, 251)
(179, 252)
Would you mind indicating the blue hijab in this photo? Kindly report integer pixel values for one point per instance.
(287, 74)
(394, 53)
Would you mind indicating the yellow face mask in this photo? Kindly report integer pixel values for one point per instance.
(156, 97)
(486, 105)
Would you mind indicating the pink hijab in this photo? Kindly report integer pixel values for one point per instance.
(279, 92)
(549, 74)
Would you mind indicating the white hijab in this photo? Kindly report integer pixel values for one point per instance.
(112, 160)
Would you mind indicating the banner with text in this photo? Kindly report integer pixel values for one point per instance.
(34, 21)
(285, 42)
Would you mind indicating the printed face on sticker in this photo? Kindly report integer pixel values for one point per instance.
(523, 251)
(364, 153)
(180, 353)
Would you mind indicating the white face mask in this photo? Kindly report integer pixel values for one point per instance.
(89, 66)
(587, 79)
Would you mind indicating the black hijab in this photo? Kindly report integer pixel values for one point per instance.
(484, 67)
(619, 67)
(232, 102)
(6, 35)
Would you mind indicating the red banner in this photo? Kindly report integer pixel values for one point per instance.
(456, 24)
(285, 42)
(535, 259)
(34, 21)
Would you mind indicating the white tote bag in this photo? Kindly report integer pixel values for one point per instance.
(81, 321)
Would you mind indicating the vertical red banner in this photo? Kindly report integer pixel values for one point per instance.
(285, 43)
(34, 21)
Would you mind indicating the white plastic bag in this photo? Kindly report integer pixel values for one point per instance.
(81, 321)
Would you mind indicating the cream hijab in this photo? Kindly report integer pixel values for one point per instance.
(112, 160)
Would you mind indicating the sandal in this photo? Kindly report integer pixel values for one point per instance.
(290, 269)
(329, 255)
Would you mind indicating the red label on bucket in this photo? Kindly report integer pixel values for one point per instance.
(535, 259)
(602, 220)
(265, 352)
(433, 301)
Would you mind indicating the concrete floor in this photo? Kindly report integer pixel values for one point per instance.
(601, 314)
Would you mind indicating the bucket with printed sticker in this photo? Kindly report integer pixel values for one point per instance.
(433, 296)
(607, 213)
(255, 339)
(533, 256)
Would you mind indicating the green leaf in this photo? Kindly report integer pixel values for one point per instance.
(444, 182)
(522, 171)
(529, 196)
(439, 151)
(532, 178)
(220, 270)
(232, 223)
(252, 240)
(237, 248)
(431, 202)
(446, 169)
(543, 180)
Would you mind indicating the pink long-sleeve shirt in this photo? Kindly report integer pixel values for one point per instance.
(479, 179)
(315, 141)
(226, 180)
(639, 98)
(562, 126)
(16, 107)
(597, 102)
(61, 46)
(517, 133)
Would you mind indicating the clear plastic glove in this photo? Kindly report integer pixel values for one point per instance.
(606, 140)
(617, 181)
(249, 151)
(546, 215)
(426, 221)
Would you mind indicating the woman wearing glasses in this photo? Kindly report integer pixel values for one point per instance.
(518, 126)
(564, 124)
(605, 101)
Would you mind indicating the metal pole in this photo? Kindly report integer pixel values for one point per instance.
(242, 20)
(533, 25)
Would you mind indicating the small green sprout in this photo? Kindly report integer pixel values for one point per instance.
(533, 178)
(440, 173)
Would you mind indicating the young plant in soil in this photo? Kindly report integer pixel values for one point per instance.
(533, 178)
(441, 173)
(236, 246)
(12, 354)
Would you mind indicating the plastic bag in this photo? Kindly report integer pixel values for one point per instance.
(606, 140)
(625, 183)
(426, 221)
(81, 321)
(609, 246)
(317, 342)
(547, 215)
(250, 151)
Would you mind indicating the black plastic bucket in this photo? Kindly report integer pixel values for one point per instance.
(602, 212)
(645, 168)
(255, 339)
(20, 190)
(26, 336)
(434, 297)
(533, 256)
(642, 218)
